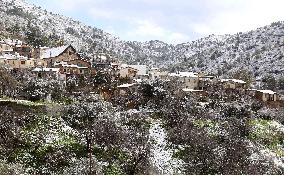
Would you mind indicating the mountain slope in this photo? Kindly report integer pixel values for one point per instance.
(259, 51)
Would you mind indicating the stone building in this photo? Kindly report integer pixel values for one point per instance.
(59, 54)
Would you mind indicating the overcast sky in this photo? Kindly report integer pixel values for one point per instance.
(172, 21)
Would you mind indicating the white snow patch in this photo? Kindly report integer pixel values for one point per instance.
(161, 155)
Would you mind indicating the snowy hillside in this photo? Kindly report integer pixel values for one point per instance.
(259, 51)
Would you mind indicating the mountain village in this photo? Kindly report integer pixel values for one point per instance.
(64, 62)
(79, 100)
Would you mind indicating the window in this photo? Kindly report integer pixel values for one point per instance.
(271, 97)
(23, 62)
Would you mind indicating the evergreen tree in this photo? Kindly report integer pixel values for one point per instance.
(34, 36)
(269, 82)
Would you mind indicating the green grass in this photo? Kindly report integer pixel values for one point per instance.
(202, 123)
(114, 170)
(267, 134)
(212, 127)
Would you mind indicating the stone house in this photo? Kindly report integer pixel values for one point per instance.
(266, 95)
(127, 72)
(126, 89)
(80, 63)
(233, 83)
(66, 59)
(18, 62)
(46, 72)
(24, 50)
(73, 69)
(39, 52)
(142, 71)
(155, 73)
(206, 82)
(5, 48)
(188, 80)
(59, 54)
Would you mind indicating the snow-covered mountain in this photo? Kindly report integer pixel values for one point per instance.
(259, 51)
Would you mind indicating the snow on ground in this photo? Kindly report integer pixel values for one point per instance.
(278, 161)
(161, 154)
(24, 102)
